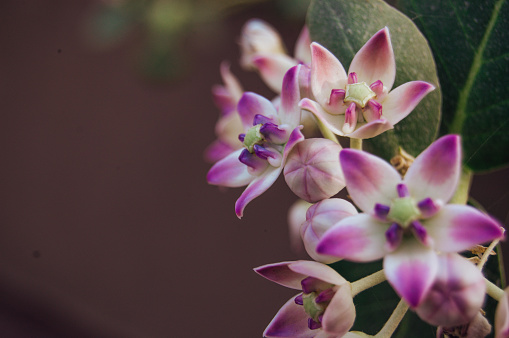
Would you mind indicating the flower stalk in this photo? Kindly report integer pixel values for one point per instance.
(368, 282)
(494, 291)
(393, 322)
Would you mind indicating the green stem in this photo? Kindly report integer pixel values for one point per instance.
(367, 282)
(494, 291)
(326, 131)
(461, 194)
(356, 143)
(393, 322)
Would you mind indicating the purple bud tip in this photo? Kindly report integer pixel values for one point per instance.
(242, 137)
(260, 119)
(352, 78)
(325, 296)
(428, 207)
(313, 325)
(248, 159)
(394, 235)
(381, 211)
(402, 190)
(420, 232)
(271, 132)
(299, 300)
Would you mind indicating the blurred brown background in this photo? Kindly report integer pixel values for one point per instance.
(108, 227)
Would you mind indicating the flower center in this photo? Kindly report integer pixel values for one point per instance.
(359, 93)
(403, 211)
(253, 136)
(312, 308)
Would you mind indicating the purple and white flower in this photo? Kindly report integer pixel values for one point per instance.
(405, 221)
(324, 308)
(269, 136)
(502, 316)
(360, 103)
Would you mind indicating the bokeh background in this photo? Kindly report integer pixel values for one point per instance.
(108, 227)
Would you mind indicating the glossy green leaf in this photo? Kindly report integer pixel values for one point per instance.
(469, 42)
(344, 26)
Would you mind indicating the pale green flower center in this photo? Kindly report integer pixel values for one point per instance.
(360, 93)
(403, 211)
(253, 136)
(312, 308)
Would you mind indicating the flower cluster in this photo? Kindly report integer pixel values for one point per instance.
(410, 221)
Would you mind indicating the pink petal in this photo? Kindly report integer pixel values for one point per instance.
(402, 100)
(339, 316)
(411, 270)
(281, 274)
(333, 122)
(217, 150)
(261, 183)
(502, 316)
(375, 60)
(231, 82)
(272, 68)
(369, 179)
(290, 321)
(230, 172)
(327, 73)
(436, 171)
(289, 110)
(317, 270)
(371, 129)
(359, 238)
(302, 46)
(457, 228)
(223, 100)
(251, 104)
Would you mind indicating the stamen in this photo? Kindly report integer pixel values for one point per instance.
(242, 137)
(381, 211)
(402, 190)
(298, 300)
(336, 97)
(267, 153)
(309, 284)
(325, 296)
(377, 87)
(313, 325)
(352, 78)
(350, 119)
(272, 133)
(376, 111)
(420, 233)
(428, 207)
(393, 235)
(255, 164)
(261, 119)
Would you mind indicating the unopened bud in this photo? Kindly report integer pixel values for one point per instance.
(502, 316)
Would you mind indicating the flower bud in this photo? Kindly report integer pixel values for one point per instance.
(312, 170)
(258, 37)
(319, 218)
(457, 294)
(297, 216)
(502, 316)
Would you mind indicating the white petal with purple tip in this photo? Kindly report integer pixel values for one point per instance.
(340, 314)
(282, 274)
(436, 171)
(318, 271)
(230, 172)
(371, 129)
(411, 270)
(402, 100)
(333, 122)
(251, 104)
(290, 321)
(457, 228)
(289, 111)
(272, 68)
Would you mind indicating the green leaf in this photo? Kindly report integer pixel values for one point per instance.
(469, 42)
(344, 26)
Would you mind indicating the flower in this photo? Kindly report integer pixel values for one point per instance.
(269, 136)
(229, 125)
(297, 216)
(502, 316)
(456, 295)
(312, 170)
(325, 306)
(351, 105)
(262, 49)
(405, 220)
(320, 217)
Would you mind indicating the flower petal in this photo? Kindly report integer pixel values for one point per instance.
(359, 238)
(317, 270)
(327, 73)
(290, 321)
(436, 171)
(281, 274)
(217, 150)
(231, 82)
(251, 104)
(272, 68)
(369, 179)
(502, 316)
(302, 50)
(333, 122)
(411, 270)
(459, 227)
(340, 313)
(289, 110)
(402, 100)
(230, 172)
(297, 216)
(371, 129)
(375, 60)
